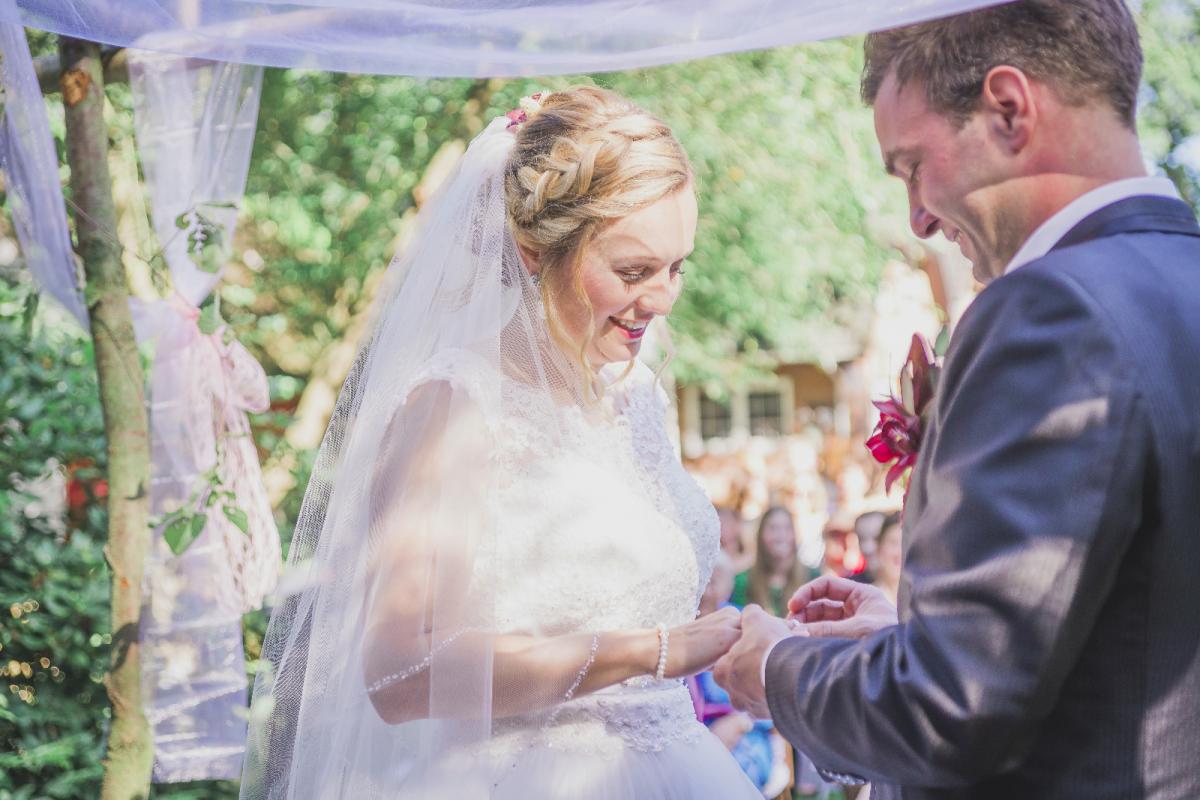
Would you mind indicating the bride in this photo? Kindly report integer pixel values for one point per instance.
(499, 558)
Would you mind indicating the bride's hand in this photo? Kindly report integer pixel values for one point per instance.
(696, 646)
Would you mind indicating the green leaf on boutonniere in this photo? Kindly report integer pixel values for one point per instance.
(942, 343)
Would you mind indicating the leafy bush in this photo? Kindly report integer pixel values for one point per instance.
(54, 588)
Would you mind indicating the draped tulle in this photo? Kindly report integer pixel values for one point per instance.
(470, 37)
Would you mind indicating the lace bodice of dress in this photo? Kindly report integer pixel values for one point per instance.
(606, 531)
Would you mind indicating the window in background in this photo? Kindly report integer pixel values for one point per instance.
(766, 413)
(716, 418)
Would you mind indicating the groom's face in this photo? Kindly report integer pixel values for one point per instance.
(949, 171)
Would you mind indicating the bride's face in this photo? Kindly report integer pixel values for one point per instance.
(631, 273)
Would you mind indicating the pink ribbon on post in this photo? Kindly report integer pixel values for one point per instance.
(210, 387)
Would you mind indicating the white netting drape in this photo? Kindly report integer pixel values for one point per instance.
(195, 123)
(470, 37)
(30, 164)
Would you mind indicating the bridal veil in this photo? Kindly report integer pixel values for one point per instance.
(379, 655)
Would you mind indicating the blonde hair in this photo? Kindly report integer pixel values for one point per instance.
(587, 157)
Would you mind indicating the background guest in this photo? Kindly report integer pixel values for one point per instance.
(889, 556)
(777, 571)
(843, 557)
(867, 528)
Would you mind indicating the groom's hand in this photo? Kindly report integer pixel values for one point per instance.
(832, 606)
(739, 671)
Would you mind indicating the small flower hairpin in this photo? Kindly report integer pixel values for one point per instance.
(527, 108)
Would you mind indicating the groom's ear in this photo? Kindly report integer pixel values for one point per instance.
(1010, 104)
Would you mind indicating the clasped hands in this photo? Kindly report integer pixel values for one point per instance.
(827, 606)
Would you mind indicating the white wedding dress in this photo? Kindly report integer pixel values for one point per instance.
(471, 523)
(607, 533)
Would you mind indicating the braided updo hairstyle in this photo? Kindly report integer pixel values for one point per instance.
(587, 157)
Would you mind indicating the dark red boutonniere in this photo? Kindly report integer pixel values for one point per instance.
(904, 419)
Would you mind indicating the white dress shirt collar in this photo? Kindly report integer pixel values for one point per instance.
(1052, 230)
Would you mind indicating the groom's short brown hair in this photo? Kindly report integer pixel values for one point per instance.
(1085, 49)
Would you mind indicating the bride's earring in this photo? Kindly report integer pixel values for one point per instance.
(537, 279)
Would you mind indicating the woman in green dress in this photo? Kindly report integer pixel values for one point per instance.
(777, 571)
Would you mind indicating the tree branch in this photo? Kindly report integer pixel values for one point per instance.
(49, 69)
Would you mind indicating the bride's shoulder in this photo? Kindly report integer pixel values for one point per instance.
(636, 380)
(460, 369)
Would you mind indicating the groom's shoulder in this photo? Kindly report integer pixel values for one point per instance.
(1140, 271)
(1111, 278)
(1113, 298)
(1044, 291)
(1035, 313)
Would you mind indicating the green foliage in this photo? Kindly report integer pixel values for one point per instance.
(335, 161)
(205, 238)
(55, 585)
(54, 588)
(210, 318)
(181, 532)
(1169, 117)
(184, 525)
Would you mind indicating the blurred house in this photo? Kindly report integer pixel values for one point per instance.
(796, 438)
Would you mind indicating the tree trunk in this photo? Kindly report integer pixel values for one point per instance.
(130, 755)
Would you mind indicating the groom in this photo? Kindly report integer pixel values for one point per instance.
(1049, 636)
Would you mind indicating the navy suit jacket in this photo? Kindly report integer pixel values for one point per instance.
(1049, 642)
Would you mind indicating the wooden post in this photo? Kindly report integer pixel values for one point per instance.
(130, 754)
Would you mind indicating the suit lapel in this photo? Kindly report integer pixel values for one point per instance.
(915, 501)
(1141, 214)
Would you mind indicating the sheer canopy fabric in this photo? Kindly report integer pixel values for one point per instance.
(29, 161)
(195, 123)
(195, 130)
(473, 38)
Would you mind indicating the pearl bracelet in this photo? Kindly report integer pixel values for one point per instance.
(663, 636)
